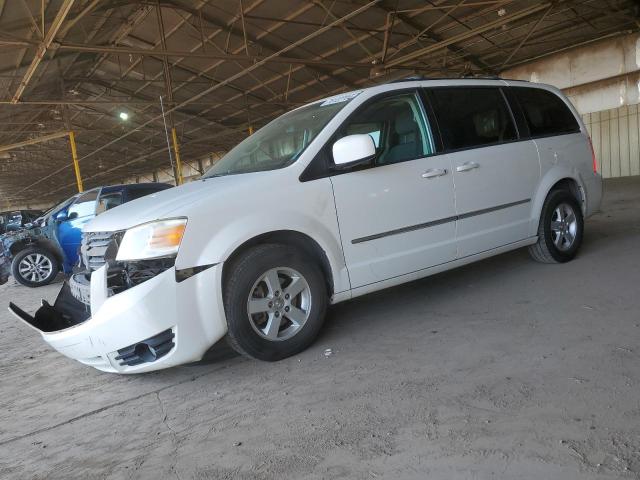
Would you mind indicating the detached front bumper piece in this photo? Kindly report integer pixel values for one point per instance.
(65, 313)
(157, 324)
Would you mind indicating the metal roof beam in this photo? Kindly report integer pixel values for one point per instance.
(260, 41)
(438, 38)
(470, 34)
(215, 56)
(222, 83)
(42, 49)
(33, 141)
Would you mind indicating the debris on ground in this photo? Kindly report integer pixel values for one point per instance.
(578, 379)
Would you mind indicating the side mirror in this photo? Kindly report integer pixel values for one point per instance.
(353, 150)
(62, 216)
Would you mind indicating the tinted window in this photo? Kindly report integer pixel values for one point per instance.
(397, 125)
(472, 117)
(84, 205)
(135, 193)
(109, 201)
(545, 112)
(373, 129)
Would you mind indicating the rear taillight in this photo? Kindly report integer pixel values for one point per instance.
(593, 157)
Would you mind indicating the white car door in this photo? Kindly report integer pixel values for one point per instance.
(495, 174)
(396, 216)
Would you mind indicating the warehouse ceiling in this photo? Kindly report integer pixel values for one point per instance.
(225, 66)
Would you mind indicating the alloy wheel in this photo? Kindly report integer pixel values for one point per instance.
(35, 267)
(279, 304)
(564, 227)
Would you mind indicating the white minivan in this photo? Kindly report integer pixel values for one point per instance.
(336, 199)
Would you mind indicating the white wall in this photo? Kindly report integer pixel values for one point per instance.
(616, 140)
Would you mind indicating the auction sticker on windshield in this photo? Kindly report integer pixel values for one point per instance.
(340, 98)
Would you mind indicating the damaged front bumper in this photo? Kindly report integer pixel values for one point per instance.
(157, 324)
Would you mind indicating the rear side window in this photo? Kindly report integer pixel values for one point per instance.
(472, 117)
(545, 112)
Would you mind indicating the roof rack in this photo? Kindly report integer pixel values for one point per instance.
(412, 78)
(417, 78)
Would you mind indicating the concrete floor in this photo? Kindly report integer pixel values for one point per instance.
(502, 369)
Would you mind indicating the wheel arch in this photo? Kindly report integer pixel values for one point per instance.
(552, 181)
(570, 184)
(21, 245)
(291, 238)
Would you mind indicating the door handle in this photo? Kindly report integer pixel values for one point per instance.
(465, 167)
(434, 172)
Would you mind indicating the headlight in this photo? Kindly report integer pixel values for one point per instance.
(152, 240)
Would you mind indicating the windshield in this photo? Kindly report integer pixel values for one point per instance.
(55, 209)
(280, 142)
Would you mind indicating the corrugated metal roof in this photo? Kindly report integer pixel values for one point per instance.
(234, 64)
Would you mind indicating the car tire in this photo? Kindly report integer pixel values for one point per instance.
(560, 230)
(275, 300)
(34, 267)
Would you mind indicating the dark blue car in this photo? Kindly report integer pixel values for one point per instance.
(35, 254)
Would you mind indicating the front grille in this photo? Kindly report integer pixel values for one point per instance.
(148, 350)
(101, 248)
(98, 248)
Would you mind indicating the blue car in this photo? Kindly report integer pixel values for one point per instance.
(35, 254)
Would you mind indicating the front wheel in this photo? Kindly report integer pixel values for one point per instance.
(560, 229)
(275, 300)
(34, 267)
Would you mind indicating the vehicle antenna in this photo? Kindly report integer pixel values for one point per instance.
(166, 133)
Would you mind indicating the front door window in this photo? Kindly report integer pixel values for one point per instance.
(398, 127)
(84, 206)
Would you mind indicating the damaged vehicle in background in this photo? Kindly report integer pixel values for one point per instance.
(35, 254)
(333, 200)
(11, 222)
(17, 219)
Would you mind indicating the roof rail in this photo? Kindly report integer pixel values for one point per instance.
(416, 78)
(412, 78)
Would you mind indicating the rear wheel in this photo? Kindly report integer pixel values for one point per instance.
(560, 229)
(275, 301)
(34, 267)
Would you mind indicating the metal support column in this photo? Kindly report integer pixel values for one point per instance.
(76, 164)
(176, 149)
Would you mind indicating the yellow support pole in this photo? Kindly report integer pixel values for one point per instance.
(250, 130)
(176, 149)
(76, 164)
